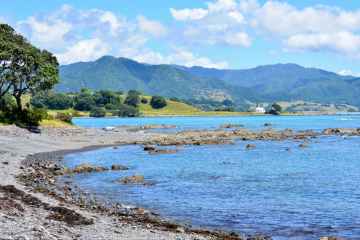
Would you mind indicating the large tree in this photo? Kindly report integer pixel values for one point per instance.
(24, 68)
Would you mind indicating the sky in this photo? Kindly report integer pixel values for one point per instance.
(224, 34)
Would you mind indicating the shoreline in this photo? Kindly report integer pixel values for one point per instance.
(46, 144)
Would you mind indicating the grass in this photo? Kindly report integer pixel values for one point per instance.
(55, 123)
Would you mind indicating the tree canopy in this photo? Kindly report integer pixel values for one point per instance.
(158, 101)
(23, 67)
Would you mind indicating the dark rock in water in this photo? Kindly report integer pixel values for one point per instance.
(149, 184)
(225, 162)
(259, 238)
(149, 147)
(313, 136)
(115, 147)
(307, 140)
(288, 149)
(288, 129)
(303, 145)
(133, 179)
(71, 176)
(250, 146)
(268, 125)
(159, 151)
(231, 125)
(118, 167)
(215, 176)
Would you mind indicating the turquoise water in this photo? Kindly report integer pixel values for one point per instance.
(303, 194)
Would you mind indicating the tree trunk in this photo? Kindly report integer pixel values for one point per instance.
(18, 102)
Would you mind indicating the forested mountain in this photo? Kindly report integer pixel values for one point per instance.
(271, 83)
(269, 78)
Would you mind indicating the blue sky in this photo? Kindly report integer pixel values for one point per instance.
(233, 34)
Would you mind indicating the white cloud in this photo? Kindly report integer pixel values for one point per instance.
(273, 52)
(180, 57)
(188, 14)
(341, 42)
(240, 39)
(221, 5)
(248, 6)
(237, 16)
(155, 28)
(348, 73)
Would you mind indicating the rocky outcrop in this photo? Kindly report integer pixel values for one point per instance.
(303, 145)
(330, 238)
(268, 125)
(231, 125)
(146, 127)
(118, 167)
(133, 179)
(83, 168)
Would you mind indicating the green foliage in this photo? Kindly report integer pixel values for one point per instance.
(158, 101)
(67, 116)
(228, 109)
(174, 99)
(51, 100)
(275, 109)
(84, 104)
(132, 100)
(228, 103)
(70, 93)
(97, 112)
(24, 68)
(352, 110)
(29, 116)
(119, 92)
(144, 100)
(136, 92)
(128, 111)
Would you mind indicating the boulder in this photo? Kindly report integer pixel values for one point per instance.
(288, 149)
(307, 140)
(303, 145)
(64, 171)
(133, 179)
(288, 129)
(250, 146)
(268, 125)
(118, 167)
(149, 147)
(85, 167)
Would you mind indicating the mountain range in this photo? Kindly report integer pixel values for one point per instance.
(270, 83)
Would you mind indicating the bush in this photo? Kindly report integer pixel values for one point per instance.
(132, 99)
(144, 100)
(84, 104)
(97, 112)
(352, 110)
(158, 101)
(68, 116)
(128, 111)
(174, 99)
(136, 92)
(119, 92)
(275, 109)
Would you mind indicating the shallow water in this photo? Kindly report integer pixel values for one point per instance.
(303, 194)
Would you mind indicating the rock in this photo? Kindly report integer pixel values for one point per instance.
(133, 179)
(215, 176)
(118, 167)
(225, 162)
(268, 125)
(250, 146)
(6, 162)
(303, 145)
(288, 149)
(231, 125)
(288, 129)
(330, 238)
(159, 151)
(115, 147)
(141, 211)
(149, 147)
(64, 171)
(180, 229)
(85, 167)
(307, 140)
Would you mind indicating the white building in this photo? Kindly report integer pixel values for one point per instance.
(260, 110)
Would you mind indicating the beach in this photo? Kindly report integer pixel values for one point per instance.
(18, 143)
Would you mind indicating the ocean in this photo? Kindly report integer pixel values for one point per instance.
(306, 193)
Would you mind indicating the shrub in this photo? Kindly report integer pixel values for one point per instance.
(84, 104)
(144, 100)
(158, 101)
(174, 99)
(132, 99)
(97, 112)
(68, 116)
(119, 92)
(352, 110)
(128, 111)
(136, 92)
